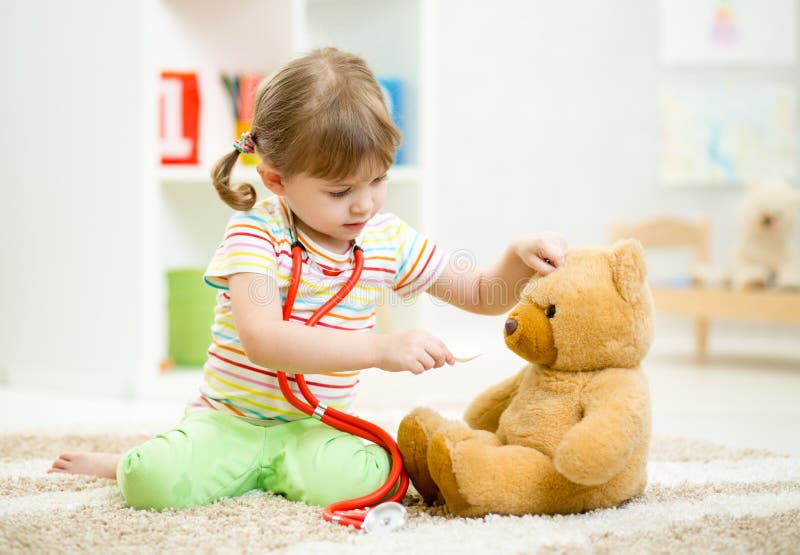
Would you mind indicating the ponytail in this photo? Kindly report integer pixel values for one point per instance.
(239, 197)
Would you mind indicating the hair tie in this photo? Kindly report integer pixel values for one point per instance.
(245, 144)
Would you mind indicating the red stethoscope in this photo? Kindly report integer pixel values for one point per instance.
(370, 512)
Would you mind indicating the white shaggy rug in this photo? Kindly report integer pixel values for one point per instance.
(701, 498)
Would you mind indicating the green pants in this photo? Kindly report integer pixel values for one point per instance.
(212, 455)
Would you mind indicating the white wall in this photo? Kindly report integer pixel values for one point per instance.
(546, 117)
(71, 108)
(548, 113)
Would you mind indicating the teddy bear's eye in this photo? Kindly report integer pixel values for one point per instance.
(551, 311)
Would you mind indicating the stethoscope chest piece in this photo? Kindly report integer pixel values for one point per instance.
(386, 517)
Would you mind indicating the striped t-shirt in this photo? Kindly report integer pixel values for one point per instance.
(257, 241)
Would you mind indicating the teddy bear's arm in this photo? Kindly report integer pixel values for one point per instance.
(616, 413)
(485, 410)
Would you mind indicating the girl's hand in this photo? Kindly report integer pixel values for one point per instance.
(414, 351)
(544, 252)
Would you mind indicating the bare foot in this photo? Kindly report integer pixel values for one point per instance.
(103, 465)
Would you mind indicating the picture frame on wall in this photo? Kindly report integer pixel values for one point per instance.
(726, 135)
(728, 32)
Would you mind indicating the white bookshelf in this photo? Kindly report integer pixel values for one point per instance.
(186, 219)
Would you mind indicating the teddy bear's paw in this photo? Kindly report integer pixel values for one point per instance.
(413, 437)
(451, 465)
(580, 469)
(440, 463)
(752, 283)
(788, 279)
(750, 277)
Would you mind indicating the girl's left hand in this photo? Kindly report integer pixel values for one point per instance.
(544, 252)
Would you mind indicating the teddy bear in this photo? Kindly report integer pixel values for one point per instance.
(568, 433)
(762, 254)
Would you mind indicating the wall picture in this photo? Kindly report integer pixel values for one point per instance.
(727, 135)
(697, 32)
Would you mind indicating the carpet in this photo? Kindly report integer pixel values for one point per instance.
(701, 498)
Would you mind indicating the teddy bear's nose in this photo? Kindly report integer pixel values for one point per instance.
(766, 219)
(511, 326)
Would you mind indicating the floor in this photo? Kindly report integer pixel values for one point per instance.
(744, 396)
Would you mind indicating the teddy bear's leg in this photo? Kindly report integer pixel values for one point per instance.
(413, 437)
(750, 275)
(478, 475)
(788, 276)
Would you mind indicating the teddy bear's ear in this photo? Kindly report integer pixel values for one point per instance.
(628, 269)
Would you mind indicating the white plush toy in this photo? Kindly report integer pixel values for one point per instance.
(762, 255)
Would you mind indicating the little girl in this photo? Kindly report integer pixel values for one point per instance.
(325, 140)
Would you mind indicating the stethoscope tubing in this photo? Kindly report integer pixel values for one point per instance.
(349, 512)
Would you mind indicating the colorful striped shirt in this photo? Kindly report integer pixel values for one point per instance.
(396, 257)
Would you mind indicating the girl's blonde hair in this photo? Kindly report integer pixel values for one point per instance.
(323, 114)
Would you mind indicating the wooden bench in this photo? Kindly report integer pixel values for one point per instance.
(705, 303)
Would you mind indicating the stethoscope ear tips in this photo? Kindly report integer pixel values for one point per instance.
(386, 517)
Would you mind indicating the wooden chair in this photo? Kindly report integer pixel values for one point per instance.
(704, 303)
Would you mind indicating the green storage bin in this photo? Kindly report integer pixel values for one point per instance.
(190, 313)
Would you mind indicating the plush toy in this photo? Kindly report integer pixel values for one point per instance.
(762, 255)
(568, 433)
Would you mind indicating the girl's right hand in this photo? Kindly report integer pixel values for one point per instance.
(413, 351)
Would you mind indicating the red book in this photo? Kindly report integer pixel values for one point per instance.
(179, 118)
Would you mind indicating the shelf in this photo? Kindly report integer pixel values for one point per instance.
(197, 174)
